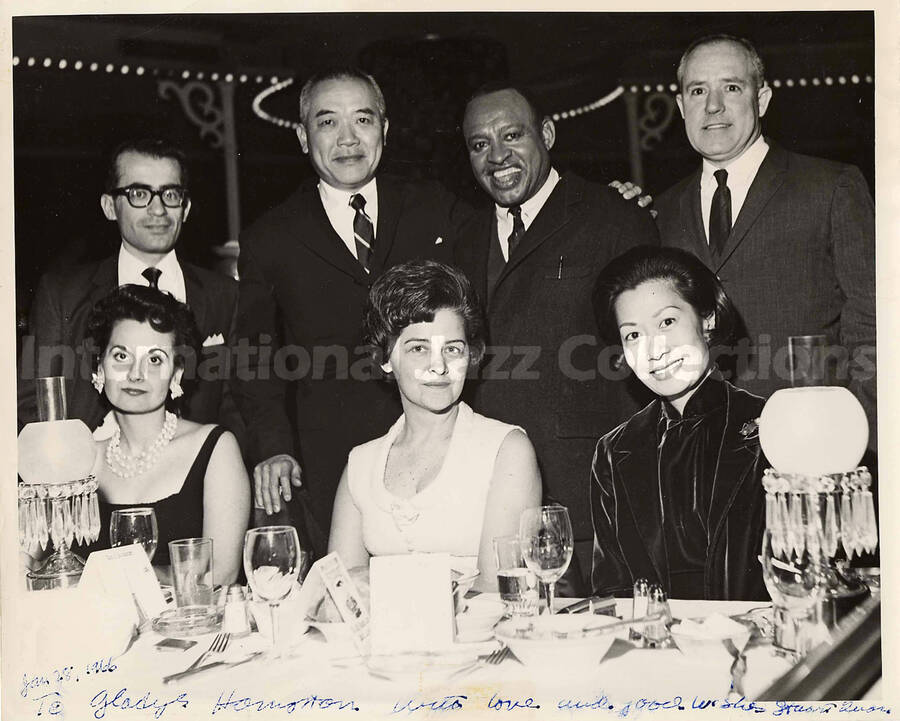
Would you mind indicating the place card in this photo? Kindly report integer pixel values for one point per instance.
(412, 603)
(125, 573)
(346, 596)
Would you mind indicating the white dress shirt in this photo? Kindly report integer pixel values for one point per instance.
(171, 279)
(741, 172)
(340, 214)
(530, 209)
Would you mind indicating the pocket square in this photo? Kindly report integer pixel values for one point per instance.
(216, 339)
(438, 240)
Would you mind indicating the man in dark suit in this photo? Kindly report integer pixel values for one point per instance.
(791, 237)
(146, 196)
(305, 272)
(533, 256)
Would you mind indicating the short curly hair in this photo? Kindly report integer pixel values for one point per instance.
(161, 311)
(690, 278)
(412, 293)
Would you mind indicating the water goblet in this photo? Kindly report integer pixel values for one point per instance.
(134, 525)
(796, 579)
(273, 560)
(545, 533)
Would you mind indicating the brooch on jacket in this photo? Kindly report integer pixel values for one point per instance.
(750, 429)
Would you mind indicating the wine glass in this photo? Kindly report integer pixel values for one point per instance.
(134, 525)
(796, 578)
(545, 533)
(273, 560)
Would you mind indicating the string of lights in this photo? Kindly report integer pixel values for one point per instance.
(276, 84)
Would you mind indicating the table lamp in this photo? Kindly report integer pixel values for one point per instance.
(814, 436)
(57, 493)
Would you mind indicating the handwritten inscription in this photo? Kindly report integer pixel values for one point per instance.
(238, 703)
(447, 703)
(498, 703)
(125, 702)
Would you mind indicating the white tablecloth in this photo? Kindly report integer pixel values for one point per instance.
(329, 678)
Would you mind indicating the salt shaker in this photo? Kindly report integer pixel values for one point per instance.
(236, 620)
(656, 635)
(639, 605)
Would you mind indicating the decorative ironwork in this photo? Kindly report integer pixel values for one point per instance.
(659, 109)
(198, 102)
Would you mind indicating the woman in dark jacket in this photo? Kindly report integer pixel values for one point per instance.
(676, 492)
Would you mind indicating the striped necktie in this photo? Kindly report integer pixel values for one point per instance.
(363, 231)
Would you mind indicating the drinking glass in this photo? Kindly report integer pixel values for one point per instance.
(192, 571)
(545, 533)
(272, 562)
(517, 583)
(796, 579)
(134, 525)
(806, 359)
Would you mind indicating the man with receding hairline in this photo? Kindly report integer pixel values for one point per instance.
(533, 256)
(305, 272)
(791, 237)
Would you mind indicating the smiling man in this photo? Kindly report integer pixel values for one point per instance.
(791, 237)
(146, 196)
(306, 268)
(533, 256)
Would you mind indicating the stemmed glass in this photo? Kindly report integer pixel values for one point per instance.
(545, 533)
(796, 579)
(273, 560)
(134, 525)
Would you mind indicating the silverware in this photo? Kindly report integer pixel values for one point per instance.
(492, 659)
(217, 646)
(215, 664)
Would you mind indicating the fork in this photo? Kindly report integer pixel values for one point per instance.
(217, 646)
(492, 659)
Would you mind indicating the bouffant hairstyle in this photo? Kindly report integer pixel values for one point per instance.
(690, 278)
(412, 293)
(146, 305)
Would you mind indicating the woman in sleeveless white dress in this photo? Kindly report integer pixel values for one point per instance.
(444, 478)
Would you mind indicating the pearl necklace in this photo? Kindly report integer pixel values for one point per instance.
(129, 466)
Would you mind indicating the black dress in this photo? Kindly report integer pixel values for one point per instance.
(678, 498)
(179, 515)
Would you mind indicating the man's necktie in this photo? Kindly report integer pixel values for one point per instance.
(518, 230)
(363, 231)
(152, 276)
(720, 213)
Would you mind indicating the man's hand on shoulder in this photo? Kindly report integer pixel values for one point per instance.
(629, 191)
(272, 480)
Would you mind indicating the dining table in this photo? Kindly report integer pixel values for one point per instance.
(320, 672)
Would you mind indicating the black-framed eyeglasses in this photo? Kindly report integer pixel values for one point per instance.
(140, 196)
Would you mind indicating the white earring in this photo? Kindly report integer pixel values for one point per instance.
(175, 389)
(97, 381)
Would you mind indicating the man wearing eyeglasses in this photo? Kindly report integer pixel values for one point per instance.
(146, 196)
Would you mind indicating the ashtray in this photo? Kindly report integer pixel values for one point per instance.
(188, 621)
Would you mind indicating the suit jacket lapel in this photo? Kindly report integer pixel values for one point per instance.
(769, 179)
(553, 216)
(315, 232)
(196, 298)
(692, 218)
(735, 460)
(105, 278)
(636, 461)
(390, 206)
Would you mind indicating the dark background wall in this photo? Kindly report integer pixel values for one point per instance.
(66, 121)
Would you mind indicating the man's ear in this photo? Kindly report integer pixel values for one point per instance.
(108, 204)
(763, 96)
(301, 136)
(548, 133)
(679, 101)
(187, 210)
(384, 132)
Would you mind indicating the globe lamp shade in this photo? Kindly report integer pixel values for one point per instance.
(54, 452)
(813, 431)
